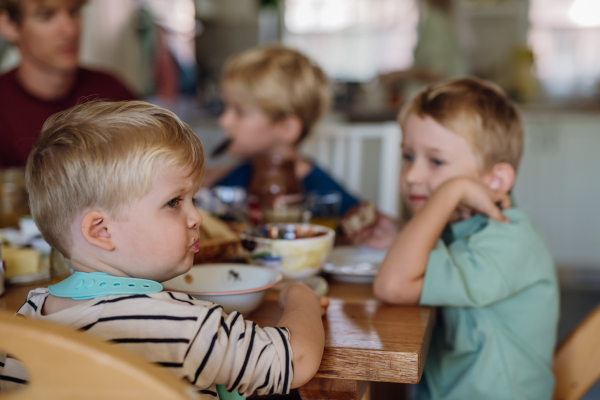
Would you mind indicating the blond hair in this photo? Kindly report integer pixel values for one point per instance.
(14, 8)
(279, 81)
(105, 155)
(477, 110)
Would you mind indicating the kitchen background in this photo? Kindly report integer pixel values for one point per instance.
(544, 53)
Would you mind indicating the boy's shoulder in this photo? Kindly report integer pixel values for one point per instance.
(520, 230)
(480, 227)
(510, 245)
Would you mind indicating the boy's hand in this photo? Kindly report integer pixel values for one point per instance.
(475, 197)
(379, 236)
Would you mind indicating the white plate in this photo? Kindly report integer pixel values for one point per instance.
(354, 263)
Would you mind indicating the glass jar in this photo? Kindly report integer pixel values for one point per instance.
(13, 197)
(274, 192)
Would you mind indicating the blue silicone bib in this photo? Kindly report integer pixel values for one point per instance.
(88, 285)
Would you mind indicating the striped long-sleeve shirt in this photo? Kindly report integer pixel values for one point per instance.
(193, 339)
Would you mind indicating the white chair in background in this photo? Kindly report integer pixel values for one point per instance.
(339, 149)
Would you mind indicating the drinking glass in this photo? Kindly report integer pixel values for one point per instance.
(324, 208)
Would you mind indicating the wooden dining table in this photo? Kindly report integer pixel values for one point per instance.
(365, 340)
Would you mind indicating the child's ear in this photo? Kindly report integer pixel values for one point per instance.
(290, 128)
(95, 230)
(501, 177)
(8, 28)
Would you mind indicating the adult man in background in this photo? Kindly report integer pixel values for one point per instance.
(48, 78)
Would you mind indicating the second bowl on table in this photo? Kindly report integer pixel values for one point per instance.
(237, 287)
(296, 250)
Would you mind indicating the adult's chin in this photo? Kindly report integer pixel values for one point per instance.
(66, 65)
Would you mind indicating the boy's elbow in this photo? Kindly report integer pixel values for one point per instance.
(305, 367)
(389, 291)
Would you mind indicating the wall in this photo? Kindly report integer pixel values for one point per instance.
(109, 41)
(558, 183)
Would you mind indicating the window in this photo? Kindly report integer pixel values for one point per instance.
(564, 36)
(353, 40)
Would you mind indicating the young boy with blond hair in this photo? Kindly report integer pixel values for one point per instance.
(274, 96)
(111, 186)
(466, 250)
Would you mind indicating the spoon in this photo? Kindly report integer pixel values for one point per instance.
(221, 148)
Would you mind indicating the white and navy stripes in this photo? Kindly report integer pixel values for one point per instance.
(193, 339)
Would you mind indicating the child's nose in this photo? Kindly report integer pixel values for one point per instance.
(415, 173)
(195, 219)
(224, 119)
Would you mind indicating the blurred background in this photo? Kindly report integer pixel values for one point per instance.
(544, 53)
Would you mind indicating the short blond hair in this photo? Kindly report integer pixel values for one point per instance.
(105, 155)
(477, 110)
(279, 81)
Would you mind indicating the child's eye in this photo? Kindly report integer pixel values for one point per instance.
(238, 111)
(408, 157)
(45, 15)
(195, 201)
(75, 12)
(437, 162)
(174, 202)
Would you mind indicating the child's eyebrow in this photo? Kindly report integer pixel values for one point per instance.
(429, 149)
(435, 150)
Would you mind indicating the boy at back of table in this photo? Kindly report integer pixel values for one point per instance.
(274, 96)
(466, 250)
(111, 187)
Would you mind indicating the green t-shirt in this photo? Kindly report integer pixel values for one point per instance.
(496, 329)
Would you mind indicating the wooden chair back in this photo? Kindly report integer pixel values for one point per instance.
(577, 359)
(340, 148)
(65, 364)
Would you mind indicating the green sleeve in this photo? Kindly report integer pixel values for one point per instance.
(462, 278)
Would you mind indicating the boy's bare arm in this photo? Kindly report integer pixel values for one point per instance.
(214, 174)
(302, 316)
(400, 277)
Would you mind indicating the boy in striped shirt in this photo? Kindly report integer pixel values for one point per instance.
(111, 187)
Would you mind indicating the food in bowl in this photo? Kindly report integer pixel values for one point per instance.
(296, 250)
(237, 287)
(218, 242)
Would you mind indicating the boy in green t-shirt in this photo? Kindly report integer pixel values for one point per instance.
(467, 251)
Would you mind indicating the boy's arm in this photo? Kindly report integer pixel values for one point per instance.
(400, 276)
(302, 317)
(213, 175)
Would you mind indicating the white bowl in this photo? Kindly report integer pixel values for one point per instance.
(296, 258)
(237, 287)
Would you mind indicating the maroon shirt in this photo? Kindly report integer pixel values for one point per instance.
(22, 115)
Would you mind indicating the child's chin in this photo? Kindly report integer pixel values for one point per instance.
(415, 207)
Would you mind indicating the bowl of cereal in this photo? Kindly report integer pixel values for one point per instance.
(296, 250)
(237, 287)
